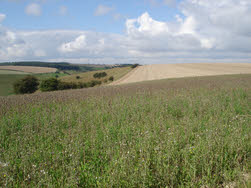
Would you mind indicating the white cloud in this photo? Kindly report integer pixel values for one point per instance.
(2, 17)
(102, 10)
(146, 25)
(40, 53)
(63, 10)
(33, 9)
(208, 31)
(76, 45)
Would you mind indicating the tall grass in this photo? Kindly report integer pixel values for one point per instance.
(174, 138)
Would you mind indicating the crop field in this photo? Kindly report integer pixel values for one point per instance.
(187, 132)
(157, 72)
(117, 73)
(29, 69)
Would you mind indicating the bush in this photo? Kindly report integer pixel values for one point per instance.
(77, 77)
(82, 85)
(93, 83)
(105, 81)
(100, 75)
(134, 66)
(29, 84)
(50, 84)
(111, 78)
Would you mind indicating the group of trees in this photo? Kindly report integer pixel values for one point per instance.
(101, 75)
(30, 84)
(134, 66)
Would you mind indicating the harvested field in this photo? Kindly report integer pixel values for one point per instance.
(157, 72)
(29, 69)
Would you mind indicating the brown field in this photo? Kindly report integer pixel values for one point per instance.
(163, 71)
(29, 69)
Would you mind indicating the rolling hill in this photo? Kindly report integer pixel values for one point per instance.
(163, 71)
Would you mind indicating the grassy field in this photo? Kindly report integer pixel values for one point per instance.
(8, 77)
(29, 69)
(188, 132)
(6, 82)
(11, 72)
(88, 76)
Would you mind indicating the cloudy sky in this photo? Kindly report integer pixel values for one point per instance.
(126, 31)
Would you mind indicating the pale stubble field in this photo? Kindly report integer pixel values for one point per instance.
(163, 71)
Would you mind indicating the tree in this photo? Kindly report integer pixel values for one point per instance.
(50, 84)
(134, 66)
(100, 75)
(111, 78)
(28, 84)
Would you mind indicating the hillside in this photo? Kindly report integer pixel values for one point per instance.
(163, 71)
(64, 66)
(29, 69)
(117, 73)
(186, 132)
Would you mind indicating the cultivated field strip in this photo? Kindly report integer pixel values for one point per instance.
(163, 71)
(214, 82)
(29, 69)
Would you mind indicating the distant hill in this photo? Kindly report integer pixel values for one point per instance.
(63, 66)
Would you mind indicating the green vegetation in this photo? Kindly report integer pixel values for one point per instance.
(53, 84)
(134, 66)
(192, 132)
(63, 66)
(99, 75)
(50, 84)
(11, 72)
(51, 75)
(117, 73)
(111, 78)
(28, 84)
(6, 83)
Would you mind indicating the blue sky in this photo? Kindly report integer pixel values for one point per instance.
(131, 31)
(80, 14)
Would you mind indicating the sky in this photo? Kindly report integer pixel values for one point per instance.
(131, 31)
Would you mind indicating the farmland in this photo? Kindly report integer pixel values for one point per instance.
(163, 71)
(9, 72)
(186, 132)
(29, 69)
(117, 73)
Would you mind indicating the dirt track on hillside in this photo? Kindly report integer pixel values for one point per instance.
(157, 72)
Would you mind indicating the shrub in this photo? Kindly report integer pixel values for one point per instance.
(50, 84)
(56, 76)
(100, 75)
(82, 85)
(93, 83)
(111, 78)
(134, 66)
(105, 81)
(77, 77)
(29, 84)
